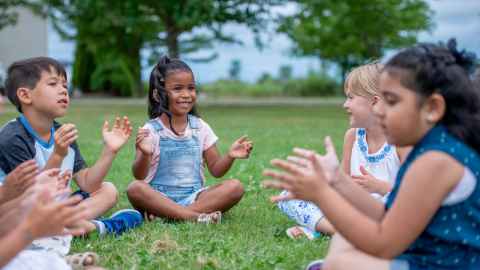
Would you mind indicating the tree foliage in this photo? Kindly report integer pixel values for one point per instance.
(110, 35)
(8, 12)
(350, 32)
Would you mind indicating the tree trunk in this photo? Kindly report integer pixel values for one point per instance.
(136, 67)
(83, 65)
(172, 43)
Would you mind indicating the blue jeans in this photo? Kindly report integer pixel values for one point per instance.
(181, 195)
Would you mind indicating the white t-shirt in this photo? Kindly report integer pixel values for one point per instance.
(206, 136)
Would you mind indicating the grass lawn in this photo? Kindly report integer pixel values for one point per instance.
(252, 235)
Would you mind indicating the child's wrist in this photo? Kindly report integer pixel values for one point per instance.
(60, 154)
(145, 153)
(27, 231)
(338, 178)
(109, 151)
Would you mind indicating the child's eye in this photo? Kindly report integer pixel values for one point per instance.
(390, 101)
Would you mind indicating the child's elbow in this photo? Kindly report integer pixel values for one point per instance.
(216, 174)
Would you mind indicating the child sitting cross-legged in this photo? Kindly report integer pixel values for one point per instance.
(38, 89)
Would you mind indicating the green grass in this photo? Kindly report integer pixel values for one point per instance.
(252, 235)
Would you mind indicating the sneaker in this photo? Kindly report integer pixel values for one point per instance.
(120, 222)
(315, 265)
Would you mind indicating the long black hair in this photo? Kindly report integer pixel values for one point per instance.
(157, 95)
(440, 68)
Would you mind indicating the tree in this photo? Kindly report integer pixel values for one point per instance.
(350, 32)
(110, 35)
(285, 73)
(264, 77)
(8, 14)
(235, 69)
(182, 18)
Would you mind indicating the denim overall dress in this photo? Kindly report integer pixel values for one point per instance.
(452, 238)
(178, 174)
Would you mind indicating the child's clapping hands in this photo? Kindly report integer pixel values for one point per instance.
(241, 148)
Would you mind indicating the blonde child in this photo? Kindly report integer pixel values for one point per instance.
(431, 219)
(367, 157)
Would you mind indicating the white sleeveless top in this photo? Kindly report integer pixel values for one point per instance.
(383, 164)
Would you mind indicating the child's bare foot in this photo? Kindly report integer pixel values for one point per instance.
(296, 232)
(85, 225)
(85, 260)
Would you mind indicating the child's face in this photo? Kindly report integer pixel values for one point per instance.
(181, 92)
(50, 95)
(359, 109)
(400, 115)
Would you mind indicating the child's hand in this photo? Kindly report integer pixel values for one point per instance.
(370, 183)
(64, 137)
(54, 182)
(63, 180)
(144, 141)
(47, 217)
(304, 175)
(19, 180)
(241, 148)
(329, 161)
(114, 139)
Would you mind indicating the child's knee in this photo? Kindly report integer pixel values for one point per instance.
(235, 189)
(108, 190)
(135, 190)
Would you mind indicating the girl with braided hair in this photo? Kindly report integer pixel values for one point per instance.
(171, 150)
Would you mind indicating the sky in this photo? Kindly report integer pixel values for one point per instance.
(452, 18)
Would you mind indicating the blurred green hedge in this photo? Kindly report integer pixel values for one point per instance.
(313, 85)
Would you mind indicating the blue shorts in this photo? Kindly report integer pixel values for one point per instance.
(183, 196)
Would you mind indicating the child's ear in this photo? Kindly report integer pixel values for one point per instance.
(24, 95)
(375, 100)
(434, 107)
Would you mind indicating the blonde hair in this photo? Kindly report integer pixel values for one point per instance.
(363, 80)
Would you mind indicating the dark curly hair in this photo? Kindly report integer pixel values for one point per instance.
(440, 68)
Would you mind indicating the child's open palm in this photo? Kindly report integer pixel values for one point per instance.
(116, 137)
(19, 180)
(48, 217)
(64, 137)
(370, 183)
(305, 174)
(241, 148)
(144, 141)
(54, 181)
